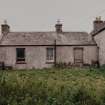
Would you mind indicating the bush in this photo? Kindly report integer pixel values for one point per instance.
(52, 87)
(102, 67)
(83, 97)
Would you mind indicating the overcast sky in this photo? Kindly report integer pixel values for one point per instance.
(41, 15)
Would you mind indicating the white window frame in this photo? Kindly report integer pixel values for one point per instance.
(48, 57)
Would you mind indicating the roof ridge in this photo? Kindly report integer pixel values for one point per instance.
(30, 31)
(48, 32)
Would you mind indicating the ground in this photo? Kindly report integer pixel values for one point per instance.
(52, 87)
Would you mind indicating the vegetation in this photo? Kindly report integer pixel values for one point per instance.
(52, 87)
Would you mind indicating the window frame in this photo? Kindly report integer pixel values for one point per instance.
(50, 57)
(20, 60)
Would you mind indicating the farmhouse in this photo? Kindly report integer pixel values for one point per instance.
(99, 36)
(26, 50)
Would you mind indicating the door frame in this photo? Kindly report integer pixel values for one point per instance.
(82, 54)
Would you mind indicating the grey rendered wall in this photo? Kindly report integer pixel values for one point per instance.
(36, 56)
(100, 40)
(66, 54)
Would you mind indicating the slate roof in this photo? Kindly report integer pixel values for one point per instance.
(100, 29)
(47, 38)
(94, 33)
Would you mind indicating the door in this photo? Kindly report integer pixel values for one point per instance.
(78, 56)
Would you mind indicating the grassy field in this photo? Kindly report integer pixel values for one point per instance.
(52, 87)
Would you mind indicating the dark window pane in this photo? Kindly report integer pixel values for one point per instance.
(20, 54)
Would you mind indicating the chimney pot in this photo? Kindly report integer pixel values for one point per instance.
(58, 27)
(98, 23)
(5, 28)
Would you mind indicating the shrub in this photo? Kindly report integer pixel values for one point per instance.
(102, 67)
(83, 97)
(52, 87)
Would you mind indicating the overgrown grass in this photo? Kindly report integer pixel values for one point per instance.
(52, 87)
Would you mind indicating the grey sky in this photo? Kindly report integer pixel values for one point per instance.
(41, 15)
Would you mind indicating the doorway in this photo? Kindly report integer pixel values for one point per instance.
(78, 56)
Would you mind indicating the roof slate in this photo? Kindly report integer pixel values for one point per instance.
(46, 38)
(94, 33)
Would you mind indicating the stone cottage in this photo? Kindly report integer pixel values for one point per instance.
(99, 36)
(26, 50)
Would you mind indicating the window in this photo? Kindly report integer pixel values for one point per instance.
(20, 55)
(50, 54)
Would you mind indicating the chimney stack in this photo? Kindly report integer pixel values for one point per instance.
(5, 28)
(98, 24)
(58, 27)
